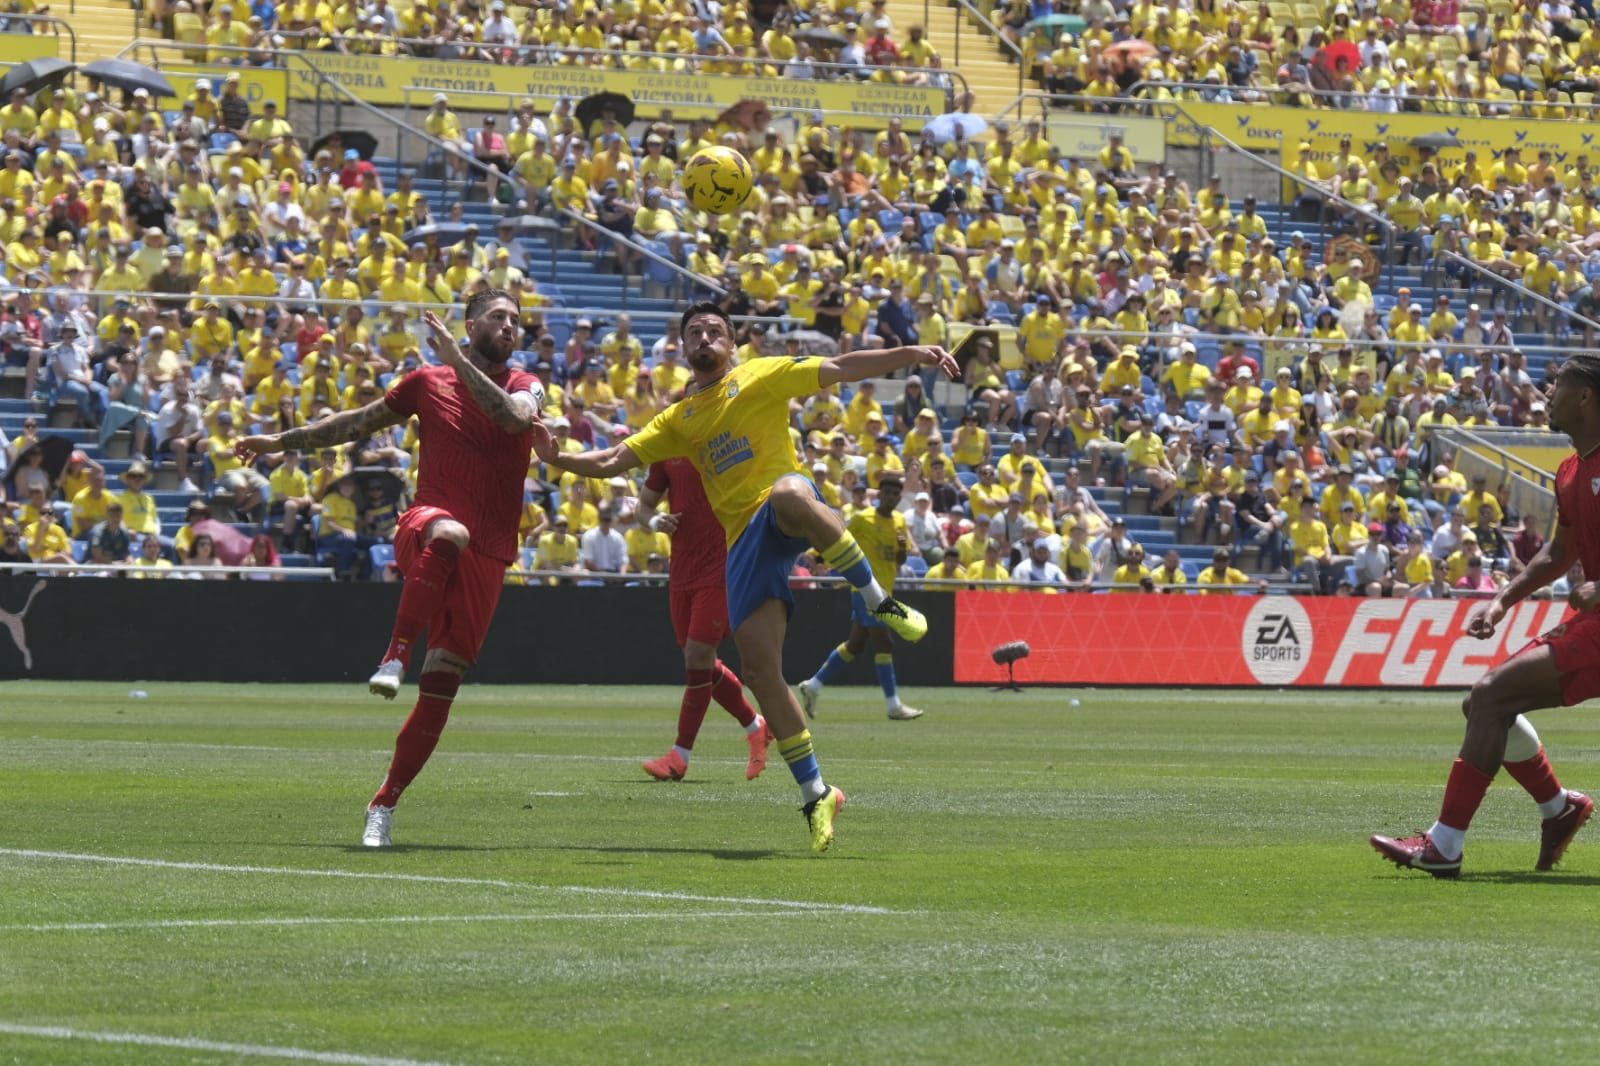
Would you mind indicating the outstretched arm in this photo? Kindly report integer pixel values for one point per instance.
(512, 413)
(878, 362)
(342, 428)
(617, 459)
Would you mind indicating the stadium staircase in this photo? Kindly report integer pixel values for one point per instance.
(990, 71)
(104, 27)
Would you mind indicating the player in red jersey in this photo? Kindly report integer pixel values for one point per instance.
(478, 422)
(698, 589)
(1560, 669)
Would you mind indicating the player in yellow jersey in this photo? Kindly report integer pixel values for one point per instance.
(734, 426)
(881, 532)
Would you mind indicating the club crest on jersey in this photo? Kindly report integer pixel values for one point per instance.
(733, 390)
(1594, 485)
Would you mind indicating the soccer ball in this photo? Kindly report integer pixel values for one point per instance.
(717, 179)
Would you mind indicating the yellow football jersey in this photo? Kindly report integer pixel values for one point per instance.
(736, 432)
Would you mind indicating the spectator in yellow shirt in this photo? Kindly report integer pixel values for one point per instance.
(1312, 547)
(948, 569)
(1220, 572)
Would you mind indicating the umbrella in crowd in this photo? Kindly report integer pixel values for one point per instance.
(1068, 23)
(1437, 141)
(447, 232)
(57, 450)
(233, 547)
(1126, 54)
(34, 74)
(747, 115)
(131, 76)
(344, 140)
(1345, 50)
(531, 225)
(592, 109)
(943, 128)
(819, 37)
(811, 342)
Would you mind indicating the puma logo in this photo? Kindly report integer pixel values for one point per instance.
(13, 622)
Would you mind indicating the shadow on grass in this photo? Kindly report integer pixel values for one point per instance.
(1532, 877)
(400, 849)
(730, 854)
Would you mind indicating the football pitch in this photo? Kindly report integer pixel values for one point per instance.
(1143, 877)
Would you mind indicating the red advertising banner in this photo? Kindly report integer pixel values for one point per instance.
(1143, 639)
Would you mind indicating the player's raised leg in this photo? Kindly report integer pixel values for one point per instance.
(801, 513)
(456, 634)
(1526, 682)
(760, 640)
(427, 579)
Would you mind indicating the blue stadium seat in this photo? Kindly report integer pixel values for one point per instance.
(917, 564)
(381, 555)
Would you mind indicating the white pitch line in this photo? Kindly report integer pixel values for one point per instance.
(189, 1043)
(435, 879)
(398, 919)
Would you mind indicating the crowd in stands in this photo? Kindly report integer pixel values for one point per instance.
(1537, 61)
(824, 41)
(1140, 335)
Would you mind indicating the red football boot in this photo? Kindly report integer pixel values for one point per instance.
(1556, 833)
(1417, 853)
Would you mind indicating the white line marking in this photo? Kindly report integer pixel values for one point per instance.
(399, 919)
(552, 793)
(434, 879)
(189, 1043)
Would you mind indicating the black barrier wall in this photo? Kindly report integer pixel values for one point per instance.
(115, 629)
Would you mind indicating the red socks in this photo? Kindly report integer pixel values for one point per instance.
(1536, 776)
(729, 694)
(421, 596)
(1463, 793)
(420, 735)
(692, 712)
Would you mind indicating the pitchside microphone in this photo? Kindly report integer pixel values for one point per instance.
(1006, 655)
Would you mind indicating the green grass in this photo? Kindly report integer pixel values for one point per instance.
(1148, 877)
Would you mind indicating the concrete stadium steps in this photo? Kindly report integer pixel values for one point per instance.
(990, 73)
(104, 27)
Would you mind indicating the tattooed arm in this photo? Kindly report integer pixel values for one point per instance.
(342, 428)
(513, 413)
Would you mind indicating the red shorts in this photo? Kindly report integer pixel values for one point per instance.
(1575, 646)
(471, 596)
(700, 614)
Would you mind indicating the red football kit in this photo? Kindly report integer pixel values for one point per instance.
(698, 580)
(472, 471)
(1575, 643)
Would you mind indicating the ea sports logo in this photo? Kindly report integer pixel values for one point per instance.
(1276, 640)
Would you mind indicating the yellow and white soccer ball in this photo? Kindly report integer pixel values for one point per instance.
(717, 179)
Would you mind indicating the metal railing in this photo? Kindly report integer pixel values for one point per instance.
(177, 570)
(903, 581)
(612, 58)
(56, 23)
(1516, 287)
(994, 36)
(1476, 453)
(1448, 105)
